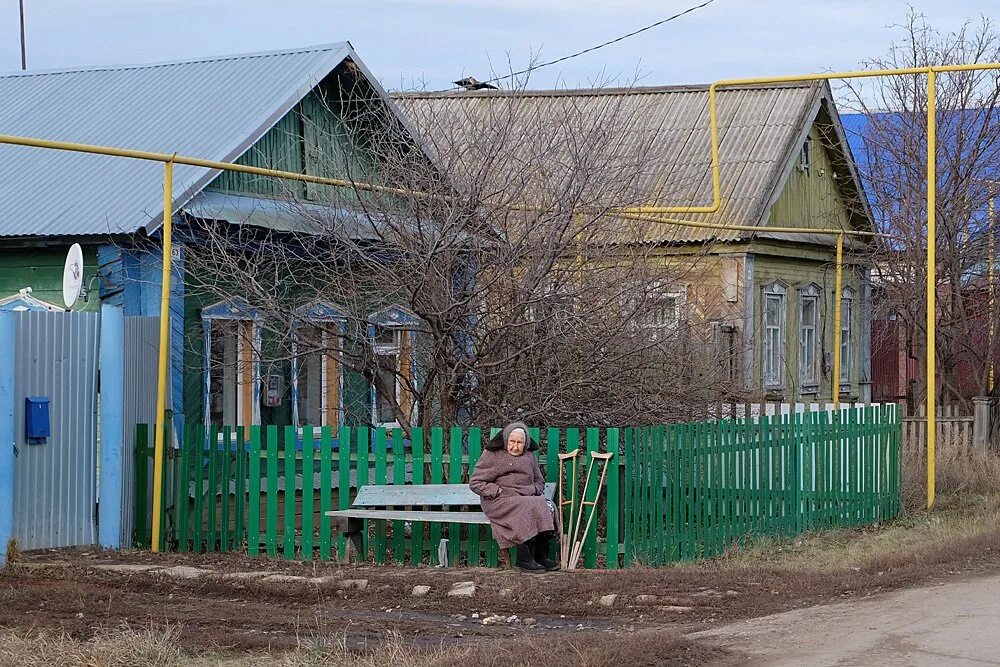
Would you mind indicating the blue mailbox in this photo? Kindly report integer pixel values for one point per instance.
(36, 419)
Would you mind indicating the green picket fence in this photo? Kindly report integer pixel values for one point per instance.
(693, 490)
(267, 490)
(674, 492)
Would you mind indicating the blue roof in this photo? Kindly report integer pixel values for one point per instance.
(214, 108)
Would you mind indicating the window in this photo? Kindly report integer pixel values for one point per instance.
(773, 332)
(318, 378)
(388, 354)
(663, 312)
(231, 373)
(392, 333)
(804, 157)
(846, 330)
(808, 336)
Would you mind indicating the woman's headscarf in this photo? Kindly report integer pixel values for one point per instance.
(499, 441)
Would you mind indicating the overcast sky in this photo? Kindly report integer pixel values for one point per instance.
(429, 43)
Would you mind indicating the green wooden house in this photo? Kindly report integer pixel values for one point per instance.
(288, 110)
(785, 162)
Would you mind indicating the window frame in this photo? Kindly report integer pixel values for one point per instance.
(319, 315)
(230, 312)
(805, 155)
(679, 297)
(847, 298)
(809, 377)
(403, 324)
(777, 290)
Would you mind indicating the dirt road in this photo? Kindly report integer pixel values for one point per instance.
(953, 623)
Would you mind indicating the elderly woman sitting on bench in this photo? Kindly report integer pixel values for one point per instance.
(511, 488)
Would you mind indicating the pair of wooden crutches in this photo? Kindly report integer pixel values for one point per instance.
(571, 549)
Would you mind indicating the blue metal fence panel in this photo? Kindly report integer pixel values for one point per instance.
(55, 491)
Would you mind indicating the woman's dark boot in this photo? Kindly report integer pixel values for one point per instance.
(542, 541)
(526, 560)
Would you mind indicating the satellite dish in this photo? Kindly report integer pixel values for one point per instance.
(73, 275)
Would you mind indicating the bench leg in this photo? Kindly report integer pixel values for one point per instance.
(352, 529)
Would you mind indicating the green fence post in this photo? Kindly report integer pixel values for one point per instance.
(140, 519)
(291, 490)
(253, 494)
(417, 527)
(437, 477)
(343, 488)
(613, 508)
(240, 488)
(475, 448)
(364, 444)
(308, 490)
(326, 489)
(398, 479)
(227, 444)
(590, 538)
(271, 536)
(181, 494)
(381, 455)
(168, 461)
(210, 493)
(455, 477)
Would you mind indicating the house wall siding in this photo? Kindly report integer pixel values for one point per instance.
(797, 273)
(41, 269)
(813, 198)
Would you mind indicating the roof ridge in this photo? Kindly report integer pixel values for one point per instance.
(581, 92)
(171, 63)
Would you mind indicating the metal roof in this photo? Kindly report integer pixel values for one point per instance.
(760, 128)
(214, 108)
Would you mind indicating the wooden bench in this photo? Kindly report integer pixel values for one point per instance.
(373, 502)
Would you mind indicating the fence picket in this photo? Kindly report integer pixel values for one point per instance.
(398, 479)
(417, 528)
(271, 532)
(290, 492)
(380, 472)
(308, 490)
(343, 487)
(611, 502)
(475, 449)
(253, 494)
(181, 493)
(224, 473)
(454, 477)
(437, 477)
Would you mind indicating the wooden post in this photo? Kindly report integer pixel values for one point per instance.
(981, 425)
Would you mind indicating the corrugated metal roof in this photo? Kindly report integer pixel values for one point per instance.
(665, 128)
(213, 108)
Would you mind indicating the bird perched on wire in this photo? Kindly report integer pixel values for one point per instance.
(472, 83)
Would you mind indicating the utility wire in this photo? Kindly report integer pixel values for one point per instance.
(607, 43)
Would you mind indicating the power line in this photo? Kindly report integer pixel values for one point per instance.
(607, 43)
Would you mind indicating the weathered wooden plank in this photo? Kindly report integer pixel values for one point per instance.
(414, 515)
(423, 495)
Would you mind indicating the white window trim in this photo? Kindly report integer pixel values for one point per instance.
(254, 372)
(385, 350)
(777, 289)
(810, 384)
(680, 304)
(324, 382)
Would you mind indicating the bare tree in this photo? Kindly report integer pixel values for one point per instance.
(895, 168)
(530, 297)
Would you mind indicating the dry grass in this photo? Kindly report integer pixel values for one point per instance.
(122, 647)
(967, 510)
(126, 647)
